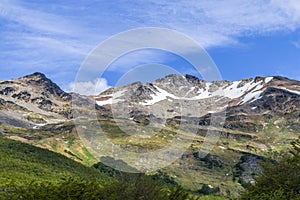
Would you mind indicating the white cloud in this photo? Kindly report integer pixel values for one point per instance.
(137, 58)
(93, 87)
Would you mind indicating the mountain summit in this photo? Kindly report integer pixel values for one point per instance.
(32, 99)
(40, 81)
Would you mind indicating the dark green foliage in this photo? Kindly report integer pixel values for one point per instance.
(206, 190)
(280, 180)
(159, 176)
(69, 190)
(139, 186)
(212, 161)
(163, 176)
(178, 193)
(244, 184)
(136, 186)
(79, 189)
(107, 170)
(113, 165)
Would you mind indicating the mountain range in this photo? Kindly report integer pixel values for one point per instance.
(261, 116)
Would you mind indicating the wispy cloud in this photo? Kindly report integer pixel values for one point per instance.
(296, 44)
(60, 34)
(137, 58)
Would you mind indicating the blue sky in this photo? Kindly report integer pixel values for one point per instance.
(244, 38)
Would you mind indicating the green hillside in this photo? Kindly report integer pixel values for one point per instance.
(29, 172)
(20, 162)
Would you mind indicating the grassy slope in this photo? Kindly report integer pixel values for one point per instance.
(21, 162)
(59, 138)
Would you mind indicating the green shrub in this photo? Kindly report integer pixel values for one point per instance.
(280, 180)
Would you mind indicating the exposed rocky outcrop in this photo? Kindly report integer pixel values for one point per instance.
(34, 93)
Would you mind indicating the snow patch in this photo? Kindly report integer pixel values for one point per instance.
(159, 96)
(163, 94)
(268, 79)
(293, 91)
(253, 96)
(232, 91)
(112, 99)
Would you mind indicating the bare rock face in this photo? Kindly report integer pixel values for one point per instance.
(33, 94)
(141, 92)
(177, 95)
(49, 88)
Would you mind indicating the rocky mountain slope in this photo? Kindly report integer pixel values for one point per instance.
(33, 99)
(197, 95)
(261, 117)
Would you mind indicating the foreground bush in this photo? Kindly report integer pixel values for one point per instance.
(280, 180)
(75, 189)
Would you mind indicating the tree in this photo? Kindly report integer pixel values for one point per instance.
(279, 180)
